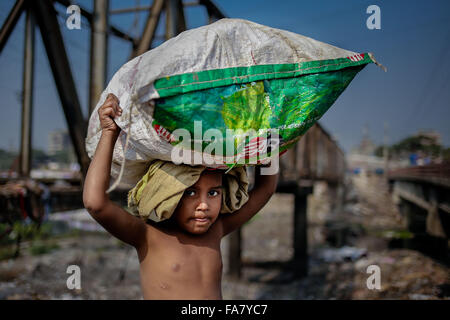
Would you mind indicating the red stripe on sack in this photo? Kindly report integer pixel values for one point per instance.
(356, 57)
(163, 133)
(255, 147)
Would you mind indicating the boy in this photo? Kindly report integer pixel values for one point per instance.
(179, 258)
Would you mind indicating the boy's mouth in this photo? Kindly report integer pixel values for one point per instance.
(201, 220)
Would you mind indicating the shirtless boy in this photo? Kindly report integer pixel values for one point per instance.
(179, 258)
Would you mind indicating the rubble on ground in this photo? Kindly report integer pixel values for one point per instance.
(341, 245)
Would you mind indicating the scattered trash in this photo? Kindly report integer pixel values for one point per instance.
(77, 219)
(345, 253)
(417, 296)
(334, 273)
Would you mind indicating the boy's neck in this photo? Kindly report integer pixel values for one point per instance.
(171, 227)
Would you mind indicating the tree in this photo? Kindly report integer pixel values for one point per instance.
(39, 157)
(417, 143)
(6, 159)
(427, 145)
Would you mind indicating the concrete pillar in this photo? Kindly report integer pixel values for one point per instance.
(99, 47)
(300, 260)
(234, 254)
(27, 98)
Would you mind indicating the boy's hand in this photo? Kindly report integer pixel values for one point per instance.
(265, 186)
(107, 112)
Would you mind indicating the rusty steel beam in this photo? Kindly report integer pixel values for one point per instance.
(10, 22)
(146, 8)
(150, 28)
(113, 30)
(191, 3)
(181, 21)
(120, 34)
(175, 22)
(214, 12)
(171, 18)
(27, 98)
(129, 10)
(59, 63)
(98, 55)
(84, 12)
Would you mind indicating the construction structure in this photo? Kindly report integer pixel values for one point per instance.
(421, 194)
(43, 14)
(316, 157)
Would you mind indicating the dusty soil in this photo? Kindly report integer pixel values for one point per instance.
(110, 270)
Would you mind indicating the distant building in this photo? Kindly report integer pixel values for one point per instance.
(366, 147)
(58, 140)
(431, 137)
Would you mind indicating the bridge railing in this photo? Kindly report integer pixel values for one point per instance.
(438, 173)
(315, 157)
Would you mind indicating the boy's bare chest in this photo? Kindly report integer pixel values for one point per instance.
(184, 256)
(182, 268)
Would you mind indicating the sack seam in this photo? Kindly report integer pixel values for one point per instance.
(258, 74)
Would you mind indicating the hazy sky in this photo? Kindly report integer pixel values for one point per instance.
(413, 43)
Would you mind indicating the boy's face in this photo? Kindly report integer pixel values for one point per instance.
(201, 203)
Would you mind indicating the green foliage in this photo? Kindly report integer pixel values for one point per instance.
(39, 157)
(413, 144)
(65, 156)
(61, 157)
(446, 154)
(7, 238)
(395, 234)
(379, 151)
(26, 231)
(7, 252)
(41, 247)
(6, 159)
(418, 143)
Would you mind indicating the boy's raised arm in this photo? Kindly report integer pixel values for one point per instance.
(112, 217)
(265, 187)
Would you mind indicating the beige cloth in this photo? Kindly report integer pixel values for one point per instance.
(159, 191)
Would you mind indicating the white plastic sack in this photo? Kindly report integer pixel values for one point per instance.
(225, 44)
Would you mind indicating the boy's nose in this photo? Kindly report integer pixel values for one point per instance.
(202, 206)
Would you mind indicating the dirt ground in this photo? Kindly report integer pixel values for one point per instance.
(342, 243)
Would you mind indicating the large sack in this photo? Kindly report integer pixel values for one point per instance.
(232, 74)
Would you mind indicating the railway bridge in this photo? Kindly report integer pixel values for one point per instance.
(422, 195)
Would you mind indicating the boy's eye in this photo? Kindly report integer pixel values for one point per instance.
(189, 192)
(213, 193)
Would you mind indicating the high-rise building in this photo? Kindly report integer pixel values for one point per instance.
(58, 140)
